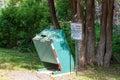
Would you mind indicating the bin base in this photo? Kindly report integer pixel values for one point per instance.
(59, 72)
(52, 71)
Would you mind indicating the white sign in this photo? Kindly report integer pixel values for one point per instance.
(76, 31)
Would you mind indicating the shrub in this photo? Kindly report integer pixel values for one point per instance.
(63, 10)
(19, 23)
(116, 44)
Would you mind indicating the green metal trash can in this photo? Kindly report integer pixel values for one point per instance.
(53, 49)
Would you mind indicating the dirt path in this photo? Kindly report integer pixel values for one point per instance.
(29, 75)
(18, 75)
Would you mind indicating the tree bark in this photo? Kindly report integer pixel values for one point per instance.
(101, 45)
(90, 32)
(81, 43)
(107, 56)
(77, 13)
(73, 5)
(53, 14)
(104, 50)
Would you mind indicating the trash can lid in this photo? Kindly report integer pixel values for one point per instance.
(47, 34)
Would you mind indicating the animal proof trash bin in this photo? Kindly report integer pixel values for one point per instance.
(53, 50)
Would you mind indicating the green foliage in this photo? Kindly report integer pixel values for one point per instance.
(116, 43)
(98, 69)
(63, 10)
(19, 23)
(97, 32)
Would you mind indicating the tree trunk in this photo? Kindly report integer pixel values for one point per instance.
(73, 5)
(53, 14)
(104, 50)
(102, 42)
(90, 32)
(77, 13)
(81, 43)
(108, 53)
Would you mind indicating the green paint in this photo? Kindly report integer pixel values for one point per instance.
(45, 51)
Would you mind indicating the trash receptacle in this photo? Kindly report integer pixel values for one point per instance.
(53, 49)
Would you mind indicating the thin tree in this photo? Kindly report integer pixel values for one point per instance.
(108, 53)
(53, 14)
(102, 42)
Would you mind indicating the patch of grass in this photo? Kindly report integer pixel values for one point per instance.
(2, 76)
(14, 60)
(96, 73)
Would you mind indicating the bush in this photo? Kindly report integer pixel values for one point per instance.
(116, 44)
(63, 10)
(19, 23)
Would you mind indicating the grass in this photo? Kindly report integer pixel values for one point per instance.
(111, 73)
(2, 76)
(14, 60)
